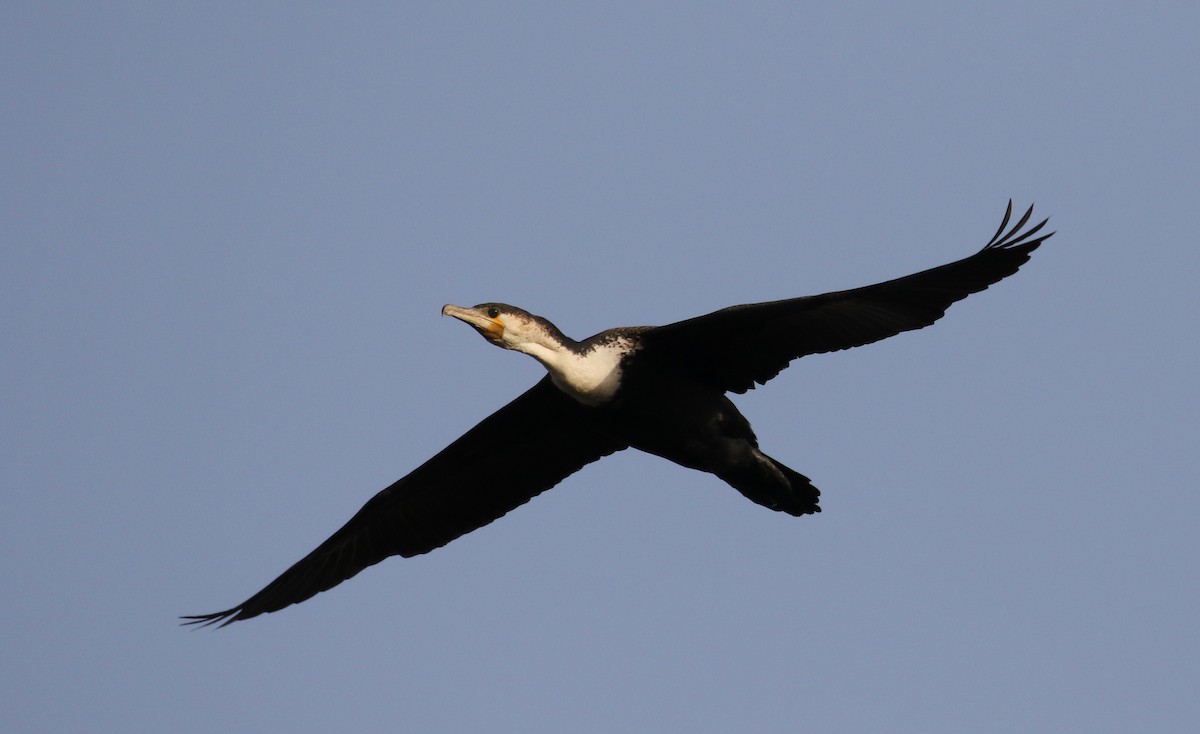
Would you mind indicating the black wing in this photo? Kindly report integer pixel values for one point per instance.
(734, 348)
(519, 451)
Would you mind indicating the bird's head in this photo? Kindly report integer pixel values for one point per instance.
(512, 328)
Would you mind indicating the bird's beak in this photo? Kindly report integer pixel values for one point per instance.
(491, 329)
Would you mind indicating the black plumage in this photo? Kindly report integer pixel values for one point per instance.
(658, 389)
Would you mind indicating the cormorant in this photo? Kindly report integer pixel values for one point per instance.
(658, 389)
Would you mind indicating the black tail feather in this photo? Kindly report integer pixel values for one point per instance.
(775, 486)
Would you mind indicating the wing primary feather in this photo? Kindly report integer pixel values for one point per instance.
(1003, 224)
(1029, 233)
(1015, 228)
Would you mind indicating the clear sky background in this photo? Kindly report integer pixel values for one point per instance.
(227, 232)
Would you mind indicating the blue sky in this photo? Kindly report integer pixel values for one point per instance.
(227, 233)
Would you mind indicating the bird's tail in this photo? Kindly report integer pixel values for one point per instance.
(771, 484)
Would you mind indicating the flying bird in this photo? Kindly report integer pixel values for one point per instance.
(659, 389)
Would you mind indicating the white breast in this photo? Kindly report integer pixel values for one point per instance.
(591, 378)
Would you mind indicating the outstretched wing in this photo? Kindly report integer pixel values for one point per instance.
(734, 348)
(519, 451)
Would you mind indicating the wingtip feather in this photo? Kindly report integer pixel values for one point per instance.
(1014, 237)
(220, 619)
(1003, 224)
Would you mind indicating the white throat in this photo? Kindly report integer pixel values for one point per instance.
(592, 377)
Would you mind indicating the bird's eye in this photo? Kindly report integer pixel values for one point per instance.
(493, 312)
